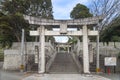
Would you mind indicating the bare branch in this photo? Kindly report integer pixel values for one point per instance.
(109, 8)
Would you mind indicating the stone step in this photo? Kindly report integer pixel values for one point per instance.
(63, 63)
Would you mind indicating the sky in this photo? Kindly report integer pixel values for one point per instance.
(62, 9)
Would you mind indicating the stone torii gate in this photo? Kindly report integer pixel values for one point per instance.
(59, 45)
(64, 24)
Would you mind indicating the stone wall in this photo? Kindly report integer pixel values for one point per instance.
(12, 60)
(12, 57)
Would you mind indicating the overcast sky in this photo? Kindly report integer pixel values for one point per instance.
(62, 9)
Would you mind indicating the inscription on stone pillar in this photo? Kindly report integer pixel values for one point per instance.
(90, 53)
(39, 64)
(36, 54)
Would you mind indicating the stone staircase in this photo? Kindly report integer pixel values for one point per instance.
(63, 63)
(93, 67)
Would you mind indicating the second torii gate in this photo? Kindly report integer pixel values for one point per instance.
(64, 24)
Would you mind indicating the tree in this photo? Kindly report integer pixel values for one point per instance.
(111, 32)
(13, 6)
(80, 11)
(18, 23)
(72, 40)
(12, 20)
(41, 8)
(5, 31)
(115, 39)
(108, 8)
(10, 28)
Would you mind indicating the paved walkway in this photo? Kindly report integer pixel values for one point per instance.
(11, 75)
(111, 76)
(65, 77)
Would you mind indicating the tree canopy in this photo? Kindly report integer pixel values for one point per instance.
(10, 28)
(111, 32)
(80, 11)
(12, 21)
(41, 8)
(72, 40)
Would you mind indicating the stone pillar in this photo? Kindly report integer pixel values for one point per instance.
(36, 54)
(68, 49)
(41, 64)
(90, 53)
(50, 44)
(78, 48)
(98, 60)
(58, 48)
(85, 50)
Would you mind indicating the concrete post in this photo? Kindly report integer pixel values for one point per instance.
(22, 52)
(98, 61)
(85, 50)
(41, 65)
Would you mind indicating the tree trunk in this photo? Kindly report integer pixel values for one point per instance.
(18, 38)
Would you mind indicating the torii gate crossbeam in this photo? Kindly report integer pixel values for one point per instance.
(85, 32)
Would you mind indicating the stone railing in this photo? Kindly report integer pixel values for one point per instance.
(76, 52)
(51, 54)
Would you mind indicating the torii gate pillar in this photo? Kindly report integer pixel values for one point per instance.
(41, 64)
(85, 50)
